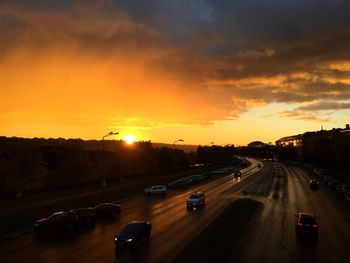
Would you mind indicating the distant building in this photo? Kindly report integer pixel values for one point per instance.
(346, 131)
(300, 139)
(294, 140)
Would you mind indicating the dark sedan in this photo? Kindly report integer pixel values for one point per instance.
(86, 215)
(306, 224)
(133, 233)
(314, 184)
(57, 223)
(107, 210)
(181, 183)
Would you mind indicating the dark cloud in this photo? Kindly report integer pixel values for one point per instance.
(231, 47)
(326, 105)
(300, 115)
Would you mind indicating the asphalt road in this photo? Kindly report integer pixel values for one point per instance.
(173, 226)
(273, 237)
(281, 188)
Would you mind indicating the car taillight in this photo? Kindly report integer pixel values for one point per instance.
(314, 226)
(299, 224)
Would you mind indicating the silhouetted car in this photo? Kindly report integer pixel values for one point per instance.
(133, 233)
(181, 183)
(237, 174)
(107, 210)
(314, 184)
(197, 178)
(86, 215)
(305, 224)
(156, 189)
(196, 199)
(57, 223)
(259, 165)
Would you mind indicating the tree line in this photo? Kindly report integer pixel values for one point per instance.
(34, 164)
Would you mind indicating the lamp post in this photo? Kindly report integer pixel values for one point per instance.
(103, 181)
(179, 140)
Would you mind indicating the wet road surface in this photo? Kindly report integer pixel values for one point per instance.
(273, 237)
(172, 226)
(281, 188)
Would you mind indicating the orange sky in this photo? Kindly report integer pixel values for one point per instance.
(84, 69)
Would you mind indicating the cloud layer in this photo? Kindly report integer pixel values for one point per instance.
(175, 61)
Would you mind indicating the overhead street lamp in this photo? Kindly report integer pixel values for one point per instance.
(103, 139)
(179, 140)
(104, 181)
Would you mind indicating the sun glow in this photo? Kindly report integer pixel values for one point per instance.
(129, 139)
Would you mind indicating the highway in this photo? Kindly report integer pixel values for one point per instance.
(273, 237)
(281, 188)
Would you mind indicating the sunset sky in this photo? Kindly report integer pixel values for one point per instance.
(229, 72)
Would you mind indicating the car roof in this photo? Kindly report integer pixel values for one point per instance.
(139, 222)
(197, 193)
(60, 213)
(306, 215)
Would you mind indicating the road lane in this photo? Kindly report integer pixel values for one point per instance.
(172, 224)
(273, 239)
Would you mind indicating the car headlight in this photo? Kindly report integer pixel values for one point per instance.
(129, 240)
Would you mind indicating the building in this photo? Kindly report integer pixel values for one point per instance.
(300, 139)
(294, 140)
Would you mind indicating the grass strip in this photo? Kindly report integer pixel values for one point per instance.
(218, 240)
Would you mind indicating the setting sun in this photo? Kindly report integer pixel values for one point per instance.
(129, 139)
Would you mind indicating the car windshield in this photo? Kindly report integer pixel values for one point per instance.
(195, 196)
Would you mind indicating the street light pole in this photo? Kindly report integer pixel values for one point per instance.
(103, 181)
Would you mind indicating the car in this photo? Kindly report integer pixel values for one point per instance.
(237, 174)
(156, 189)
(196, 178)
(107, 210)
(181, 183)
(314, 184)
(133, 233)
(306, 224)
(196, 199)
(57, 223)
(86, 215)
(259, 165)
